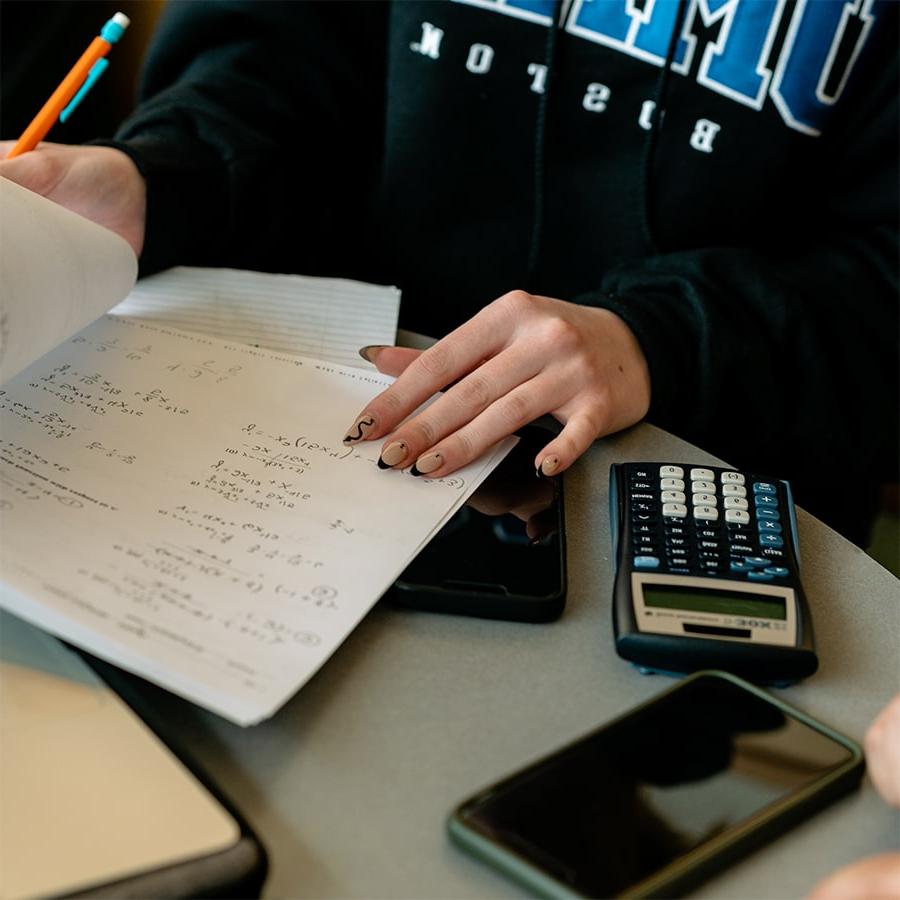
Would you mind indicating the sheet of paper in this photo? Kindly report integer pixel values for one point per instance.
(327, 318)
(58, 272)
(184, 507)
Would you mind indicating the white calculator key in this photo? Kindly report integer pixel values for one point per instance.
(675, 509)
(671, 484)
(705, 500)
(702, 475)
(672, 497)
(738, 516)
(703, 487)
(735, 503)
(734, 490)
(671, 472)
(732, 478)
(708, 513)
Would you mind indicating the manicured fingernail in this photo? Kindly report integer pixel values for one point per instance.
(359, 429)
(367, 351)
(549, 464)
(427, 463)
(392, 454)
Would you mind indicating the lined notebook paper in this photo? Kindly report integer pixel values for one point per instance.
(326, 318)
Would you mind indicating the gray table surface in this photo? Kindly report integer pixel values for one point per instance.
(348, 786)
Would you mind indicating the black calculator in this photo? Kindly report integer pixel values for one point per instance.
(708, 573)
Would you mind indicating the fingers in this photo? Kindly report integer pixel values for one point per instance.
(480, 338)
(579, 433)
(389, 360)
(36, 171)
(484, 407)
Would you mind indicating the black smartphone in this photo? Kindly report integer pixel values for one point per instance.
(503, 554)
(663, 796)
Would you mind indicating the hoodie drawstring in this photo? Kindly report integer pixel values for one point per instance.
(659, 108)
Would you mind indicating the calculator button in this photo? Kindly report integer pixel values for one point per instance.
(763, 512)
(738, 536)
(735, 503)
(671, 472)
(672, 497)
(768, 525)
(646, 562)
(702, 475)
(758, 562)
(674, 529)
(764, 487)
(734, 490)
(777, 571)
(641, 485)
(642, 496)
(738, 516)
(738, 550)
(711, 567)
(765, 500)
(705, 500)
(676, 542)
(678, 510)
(732, 478)
(671, 484)
(709, 545)
(759, 576)
(680, 570)
(703, 487)
(708, 533)
(771, 540)
(706, 513)
(740, 565)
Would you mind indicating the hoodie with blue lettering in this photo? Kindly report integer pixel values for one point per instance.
(722, 174)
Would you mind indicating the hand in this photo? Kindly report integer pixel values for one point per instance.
(522, 356)
(872, 877)
(99, 183)
(882, 745)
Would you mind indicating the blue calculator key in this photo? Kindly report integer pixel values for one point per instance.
(740, 565)
(771, 514)
(764, 487)
(771, 540)
(758, 562)
(765, 500)
(769, 525)
(777, 571)
(756, 575)
(650, 562)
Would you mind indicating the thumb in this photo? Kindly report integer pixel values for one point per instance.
(389, 360)
(39, 172)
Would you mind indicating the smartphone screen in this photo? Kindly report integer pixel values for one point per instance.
(502, 555)
(629, 800)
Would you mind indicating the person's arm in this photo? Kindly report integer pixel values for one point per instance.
(780, 358)
(258, 131)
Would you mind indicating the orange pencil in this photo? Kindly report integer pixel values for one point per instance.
(82, 76)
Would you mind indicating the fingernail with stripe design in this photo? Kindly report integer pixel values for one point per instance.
(359, 429)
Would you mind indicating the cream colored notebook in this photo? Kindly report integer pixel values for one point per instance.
(88, 795)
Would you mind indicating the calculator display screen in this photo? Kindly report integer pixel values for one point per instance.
(729, 603)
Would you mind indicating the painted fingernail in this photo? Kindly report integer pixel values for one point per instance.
(427, 463)
(549, 464)
(392, 454)
(367, 351)
(359, 429)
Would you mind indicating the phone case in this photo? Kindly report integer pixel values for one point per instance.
(703, 861)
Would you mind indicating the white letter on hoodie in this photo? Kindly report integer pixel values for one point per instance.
(480, 58)
(430, 44)
(704, 134)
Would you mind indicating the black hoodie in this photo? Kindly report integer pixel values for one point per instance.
(731, 194)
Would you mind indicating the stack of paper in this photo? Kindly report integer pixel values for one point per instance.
(183, 506)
